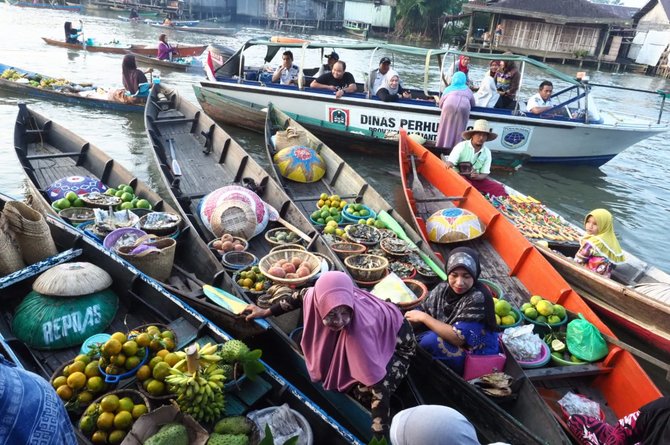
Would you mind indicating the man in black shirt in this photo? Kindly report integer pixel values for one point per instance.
(338, 80)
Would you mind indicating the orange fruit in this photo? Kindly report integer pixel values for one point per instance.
(76, 380)
(99, 437)
(118, 360)
(162, 353)
(86, 424)
(83, 358)
(109, 403)
(92, 408)
(112, 347)
(139, 409)
(143, 373)
(132, 362)
(155, 387)
(95, 384)
(116, 437)
(105, 421)
(64, 392)
(91, 369)
(85, 397)
(123, 420)
(169, 344)
(120, 337)
(143, 340)
(160, 371)
(130, 348)
(59, 381)
(76, 367)
(171, 359)
(126, 404)
(153, 362)
(153, 330)
(155, 345)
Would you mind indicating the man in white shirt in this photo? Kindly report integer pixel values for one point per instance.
(287, 72)
(542, 101)
(377, 75)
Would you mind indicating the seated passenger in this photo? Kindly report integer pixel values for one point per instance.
(71, 34)
(542, 100)
(328, 67)
(165, 50)
(337, 80)
(377, 75)
(287, 72)
(461, 64)
(390, 89)
(487, 94)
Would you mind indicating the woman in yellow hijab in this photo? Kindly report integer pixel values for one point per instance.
(599, 249)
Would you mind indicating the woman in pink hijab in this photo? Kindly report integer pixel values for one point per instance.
(352, 341)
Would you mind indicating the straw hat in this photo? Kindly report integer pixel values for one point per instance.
(72, 280)
(480, 126)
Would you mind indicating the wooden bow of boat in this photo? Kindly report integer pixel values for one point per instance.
(508, 257)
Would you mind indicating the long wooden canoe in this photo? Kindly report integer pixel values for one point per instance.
(123, 49)
(209, 159)
(47, 152)
(509, 259)
(143, 301)
(197, 29)
(526, 420)
(636, 298)
(69, 94)
(178, 64)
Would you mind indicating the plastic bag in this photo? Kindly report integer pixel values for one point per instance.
(522, 343)
(393, 288)
(284, 424)
(577, 404)
(584, 341)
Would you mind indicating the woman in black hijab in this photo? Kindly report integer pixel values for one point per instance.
(459, 313)
(132, 76)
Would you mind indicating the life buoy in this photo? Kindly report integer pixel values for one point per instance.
(281, 39)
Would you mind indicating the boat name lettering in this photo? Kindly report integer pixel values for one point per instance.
(378, 121)
(54, 330)
(411, 125)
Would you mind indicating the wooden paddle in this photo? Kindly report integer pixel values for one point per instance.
(230, 303)
(273, 215)
(416, 185)
(174, 166)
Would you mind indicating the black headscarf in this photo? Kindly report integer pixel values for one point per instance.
(132, 77)
(474, 305)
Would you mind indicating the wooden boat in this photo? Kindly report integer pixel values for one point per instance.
(174, 22)
(47, 151)
(510, 260)
(197, 29)
(184, 51)
(73, 93)
(356, 28)
(177, 63)
(636, 298)
(57, 6)
(235, 94)
(526, 420)
(209, 159)
(143, 301)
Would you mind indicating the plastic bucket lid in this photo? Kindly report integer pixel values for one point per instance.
(93, 339)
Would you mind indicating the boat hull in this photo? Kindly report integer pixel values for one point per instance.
(139, 49)
(153, 61)
(198, 30)
(541, 140)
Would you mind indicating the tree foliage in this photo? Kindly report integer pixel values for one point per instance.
(423, 17)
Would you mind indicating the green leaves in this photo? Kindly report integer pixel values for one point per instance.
(269, 440)
(251, 364)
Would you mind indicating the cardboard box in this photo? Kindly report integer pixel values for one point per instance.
(149, 424)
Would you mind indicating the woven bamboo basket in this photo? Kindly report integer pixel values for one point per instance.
(375, 269)
(136, 396)
(345, 248)
(157, 265)
(312, 262)
(11, 259)
(31, 231)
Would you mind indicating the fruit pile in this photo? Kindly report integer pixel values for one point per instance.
(252, 279)
(71, 200)
(556, 342)
(108, 421)
(128, 198)
(293, 268)
(281, 236)
(161, 345)
(228, 242)
(540, 310)
(505, 316)
(231, 430)
(333, 229)
(79, 382)
(329, 209)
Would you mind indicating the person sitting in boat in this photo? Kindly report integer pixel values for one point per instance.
(377, 75)
(390, 89)
(352, 341)
(473, 160)
(328, 67)
(458, 313)
(432, 424)
(648, 425)
(542, 101)
(338, 80)
(507, 80)
(134, 15)
(165, 50)
(287, 72)
(71, 34)
(132, 79)
(487, 95)
(167, 21)
(460, 65)
(30, 409)
(599, 249)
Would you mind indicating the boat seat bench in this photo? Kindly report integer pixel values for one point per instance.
(565, 372)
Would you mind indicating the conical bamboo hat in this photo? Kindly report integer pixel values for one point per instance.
(72, 280)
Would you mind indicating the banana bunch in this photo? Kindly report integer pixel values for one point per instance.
(199, 394)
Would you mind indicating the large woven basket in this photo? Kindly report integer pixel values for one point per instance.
(375, 270)
(31, 230)
(11, 259)
(136, 396)
(234, 216)
(157, 265)
(312, 262)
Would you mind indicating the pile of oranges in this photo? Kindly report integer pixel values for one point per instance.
(109, 420)
(79, 382)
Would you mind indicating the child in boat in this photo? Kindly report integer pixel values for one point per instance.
(352, 341)
(599, 249)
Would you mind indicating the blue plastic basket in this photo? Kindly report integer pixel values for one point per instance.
(92, 340)
(116, 378)
(347, 217)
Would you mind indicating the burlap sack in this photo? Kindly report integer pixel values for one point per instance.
(10, 252)
(31, 230)
(290, 137)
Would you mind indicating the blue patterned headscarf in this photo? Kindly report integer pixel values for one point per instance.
(458, 82)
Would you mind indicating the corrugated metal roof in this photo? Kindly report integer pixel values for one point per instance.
(569, 10)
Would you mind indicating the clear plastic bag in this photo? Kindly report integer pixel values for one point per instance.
(577, 404)
(284, 424)
(522, 342)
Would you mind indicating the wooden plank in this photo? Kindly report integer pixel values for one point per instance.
(563, 372)
(52, 156)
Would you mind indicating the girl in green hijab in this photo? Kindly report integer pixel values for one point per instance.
(599, 249)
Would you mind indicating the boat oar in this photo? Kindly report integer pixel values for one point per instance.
(392, 224)
(174, 166)
(273, 215)
(416, 185)
(230, 303)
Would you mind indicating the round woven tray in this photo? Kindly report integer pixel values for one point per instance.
(313, 263)
(368, 274)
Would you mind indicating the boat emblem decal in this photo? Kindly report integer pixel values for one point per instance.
(515, 137)
(338, 116)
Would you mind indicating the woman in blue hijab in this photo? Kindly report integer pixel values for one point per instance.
(456, 102)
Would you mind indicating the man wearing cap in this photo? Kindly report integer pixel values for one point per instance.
(377, 75)
(287, 72)
(337, 81)
(473, 160)
(328, 67)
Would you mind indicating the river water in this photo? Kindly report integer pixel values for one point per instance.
(632, 186)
